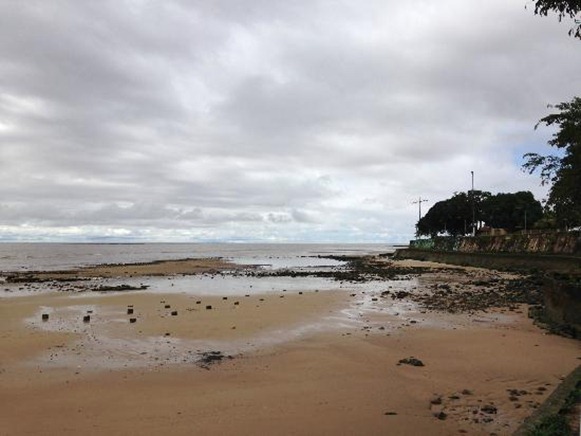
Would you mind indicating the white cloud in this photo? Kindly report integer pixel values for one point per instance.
(265, 120)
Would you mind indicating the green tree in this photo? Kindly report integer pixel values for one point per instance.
(511, 211)
(562, 171)
(563, 9)
(452, 216)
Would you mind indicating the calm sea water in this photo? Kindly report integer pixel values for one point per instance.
(55, 256)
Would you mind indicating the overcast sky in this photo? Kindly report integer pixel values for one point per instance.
(267, 120)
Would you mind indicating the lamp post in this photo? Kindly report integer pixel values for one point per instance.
(472, 201)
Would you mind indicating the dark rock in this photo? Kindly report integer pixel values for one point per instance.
(489, 408)
(210, 357)
(436, 401)
(119, 288)
(400, 295)
(441, 416)
(411, 361)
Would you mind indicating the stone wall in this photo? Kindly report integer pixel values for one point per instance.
(526, 262)
(563, 243)
(547, 243)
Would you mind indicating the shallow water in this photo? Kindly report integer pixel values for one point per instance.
(55, 256)
(40, 257)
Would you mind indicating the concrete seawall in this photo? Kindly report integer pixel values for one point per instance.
(561, 243)
(500, 260)
(566, 243)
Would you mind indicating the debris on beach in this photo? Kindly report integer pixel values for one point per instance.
(208, 358)
(411, 361)
(441, 416)
(123, 287)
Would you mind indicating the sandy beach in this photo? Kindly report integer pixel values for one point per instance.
(296, 363)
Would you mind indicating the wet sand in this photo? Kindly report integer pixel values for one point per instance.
(159, 268)
(299, 366)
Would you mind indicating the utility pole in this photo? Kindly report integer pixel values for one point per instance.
(419, 203)
(473, 212)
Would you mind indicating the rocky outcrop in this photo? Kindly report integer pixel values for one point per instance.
(561, 276)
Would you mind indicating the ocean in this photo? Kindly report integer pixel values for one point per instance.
(59, 256)
(26, 257)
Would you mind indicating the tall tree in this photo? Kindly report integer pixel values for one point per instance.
(452, 216)
(511, 211)
(562, 171)
(563, 9)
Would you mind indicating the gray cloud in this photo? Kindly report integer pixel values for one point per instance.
(265, 120)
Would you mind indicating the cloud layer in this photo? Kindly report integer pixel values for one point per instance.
(266, 120)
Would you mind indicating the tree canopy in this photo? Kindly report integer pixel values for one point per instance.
(511, 211)
(452, 216)
(563, 9)
(562, 171)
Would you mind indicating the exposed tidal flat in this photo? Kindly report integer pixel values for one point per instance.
(302, 341)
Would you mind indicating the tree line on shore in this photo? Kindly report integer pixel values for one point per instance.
(464, 212)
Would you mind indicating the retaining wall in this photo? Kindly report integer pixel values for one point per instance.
(563, 243)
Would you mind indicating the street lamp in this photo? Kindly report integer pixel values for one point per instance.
(473, 213)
